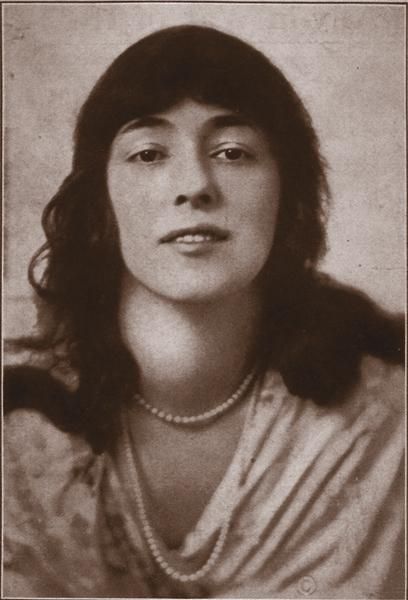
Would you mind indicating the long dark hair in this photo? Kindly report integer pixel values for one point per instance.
(314, 331)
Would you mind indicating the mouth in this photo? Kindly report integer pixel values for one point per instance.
(200, 234)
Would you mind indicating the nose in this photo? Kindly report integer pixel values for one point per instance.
(195, 184)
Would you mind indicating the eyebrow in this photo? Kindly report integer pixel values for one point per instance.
(230, 120)
(218, 122)
(150, 121)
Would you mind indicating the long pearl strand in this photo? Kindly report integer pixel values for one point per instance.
(147, 528)
(203, 417)
(150, 537)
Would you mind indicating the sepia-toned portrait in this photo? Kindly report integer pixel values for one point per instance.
(203, 387)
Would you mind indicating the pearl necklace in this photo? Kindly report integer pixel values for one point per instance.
(203, 417)
(147, 528)
(150, 536)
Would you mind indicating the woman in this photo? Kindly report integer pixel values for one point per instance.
(218, 418)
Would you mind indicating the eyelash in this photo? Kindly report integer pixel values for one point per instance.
(158, 155)
(137, 157)
(243, 154)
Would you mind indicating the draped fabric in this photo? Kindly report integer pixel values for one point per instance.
(317, 506)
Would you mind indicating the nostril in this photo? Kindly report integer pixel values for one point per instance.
(181, 199)
(196, 200)
(201, 200)
(205, 198)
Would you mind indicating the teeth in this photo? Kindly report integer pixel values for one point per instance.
(194, 239)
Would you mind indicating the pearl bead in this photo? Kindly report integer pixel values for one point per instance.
(201, 418)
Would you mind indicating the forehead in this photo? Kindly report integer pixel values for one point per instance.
(190, 114)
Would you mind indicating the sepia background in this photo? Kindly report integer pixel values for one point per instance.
(347, 62)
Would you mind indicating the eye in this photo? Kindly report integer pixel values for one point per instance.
(232, 154)
(147, 156)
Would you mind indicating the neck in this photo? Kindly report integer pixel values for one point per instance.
(191, 356)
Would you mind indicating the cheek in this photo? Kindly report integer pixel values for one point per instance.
(259, 205)
(131, 205)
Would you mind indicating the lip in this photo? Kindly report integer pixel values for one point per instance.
(217, 233)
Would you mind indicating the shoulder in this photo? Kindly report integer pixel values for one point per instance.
(360, 440)
(47, 473)
(378, 398)
(374, 407)
(383, 381)
(370, 415)
(33, 446)
(44, 466)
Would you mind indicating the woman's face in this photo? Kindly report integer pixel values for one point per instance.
(195, 191)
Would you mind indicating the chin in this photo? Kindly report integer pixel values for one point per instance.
(204, 292)
(196, 286)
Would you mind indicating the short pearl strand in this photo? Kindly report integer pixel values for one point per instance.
(150, 538)
(203, 417)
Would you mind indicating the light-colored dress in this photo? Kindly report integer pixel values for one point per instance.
(317, 506)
